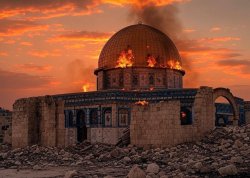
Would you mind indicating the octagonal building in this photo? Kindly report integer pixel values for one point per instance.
(139, 57)
(140, 100)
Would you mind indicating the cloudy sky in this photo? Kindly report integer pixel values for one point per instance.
(52, 46)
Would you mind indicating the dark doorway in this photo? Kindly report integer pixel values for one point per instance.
(81, 126)
(186, 115)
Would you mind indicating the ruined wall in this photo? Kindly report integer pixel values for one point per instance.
(204, 111)
(5, 127)
(25, 122)
(37, 121)
(60, 124)
(51, 126)
(98, 132)
(70, 136)
(47, 129)
(159, 124)
(106, 135)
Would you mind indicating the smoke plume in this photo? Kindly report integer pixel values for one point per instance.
(165, 18)
(79, 74)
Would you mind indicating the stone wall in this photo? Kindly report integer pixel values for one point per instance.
(159, 124)
(97, 133)
(204, 111)
(25, 122)
(41, 120)
(60, 124)
(48, 121)
(106, 135)
(38, 120)
(5, 126)
(70, 136)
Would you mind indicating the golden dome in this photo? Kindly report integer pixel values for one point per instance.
(141, 42)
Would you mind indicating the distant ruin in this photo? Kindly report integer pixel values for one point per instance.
(5, 126)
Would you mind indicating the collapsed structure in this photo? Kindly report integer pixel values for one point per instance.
(140, 87)
(5, 126)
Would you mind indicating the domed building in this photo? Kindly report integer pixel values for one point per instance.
(139, 57)
(140, 100)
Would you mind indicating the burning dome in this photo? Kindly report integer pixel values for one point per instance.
(139, 57)
(139, 46)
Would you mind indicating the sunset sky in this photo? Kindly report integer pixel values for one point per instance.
(52, 46)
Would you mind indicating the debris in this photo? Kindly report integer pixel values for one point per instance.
(136, 172)
(225, 151)
(70, 174)
(228, 170)
(152, 168)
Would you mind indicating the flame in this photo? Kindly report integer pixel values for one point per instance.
(174, 65)
(142, 103)
(85, 87)
(125, 59)
(151, 61)
(183, 115)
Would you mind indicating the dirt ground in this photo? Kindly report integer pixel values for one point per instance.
(30, 173)
(58, 172)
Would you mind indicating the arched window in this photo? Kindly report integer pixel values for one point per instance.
(123, 117)
(107, 114)
(107, 80)
(121, 80)
(151, 79)
(135, 80)
(93, 116)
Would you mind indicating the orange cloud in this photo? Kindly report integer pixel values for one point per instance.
(16, 80)
(74, 46)
(241, 66)
(220, 39)
(10, 42)
(26, 43)
(3, 53)
(142, 3)
(215, 29)
(82, 36)
(201, 49)
(189, 30)
(55, 83)
(211, 53)
(45, 53)
(34, 68)
(47, 8)
(18, 27)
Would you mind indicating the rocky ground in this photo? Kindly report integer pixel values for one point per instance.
(225, 152)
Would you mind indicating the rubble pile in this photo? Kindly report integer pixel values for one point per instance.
(224, 152)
